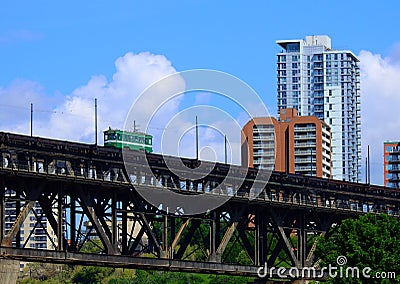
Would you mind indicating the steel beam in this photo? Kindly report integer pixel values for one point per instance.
(7, 240)
(91, 214)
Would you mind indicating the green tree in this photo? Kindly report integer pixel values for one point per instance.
(36, 272)
(368, 241)
(91, 274)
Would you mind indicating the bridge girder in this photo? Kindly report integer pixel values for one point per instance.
(81, 189)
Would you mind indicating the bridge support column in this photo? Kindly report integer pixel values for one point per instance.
(260, 239)
(124, 227)
(301, 241)
(164, 247)
(2, 209)
(114, 225)
(72, 216)
(60, 232)
(215, 237)
(9, 269)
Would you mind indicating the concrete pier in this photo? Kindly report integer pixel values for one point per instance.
(9, 270)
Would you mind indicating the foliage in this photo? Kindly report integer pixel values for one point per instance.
(91, 274)
(193, 252)
(44, 273)
(166, 277)
(369, 241)
(92, 246)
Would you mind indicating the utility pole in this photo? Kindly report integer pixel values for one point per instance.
(226, 152)
(95, 120)
(369, 168)
(31, 119)
(197, 139)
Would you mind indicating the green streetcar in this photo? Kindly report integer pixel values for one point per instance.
(133, 140)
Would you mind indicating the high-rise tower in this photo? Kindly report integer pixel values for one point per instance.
(391, 153)
(294, 144)
(318, 80)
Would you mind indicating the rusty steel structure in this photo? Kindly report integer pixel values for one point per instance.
(77, 184)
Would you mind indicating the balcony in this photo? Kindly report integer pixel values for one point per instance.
(394, 170)
(264, 155)
(304, 129)
(305, 169)
(305, 160)
(301, 153)
(304, 137)
(394, 179)
(264, 138)
(318, 65)
(305, 145)
(264, 130)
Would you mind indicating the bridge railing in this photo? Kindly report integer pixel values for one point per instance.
(48, 170)
(266, 196)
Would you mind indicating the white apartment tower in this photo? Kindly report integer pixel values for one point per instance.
(35, 232)
(317, 80)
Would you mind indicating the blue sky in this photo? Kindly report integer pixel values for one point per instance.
(61, 55)
(62, 45)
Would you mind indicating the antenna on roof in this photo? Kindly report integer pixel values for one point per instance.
(135, 127)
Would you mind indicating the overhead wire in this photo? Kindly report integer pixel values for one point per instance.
(74, 113)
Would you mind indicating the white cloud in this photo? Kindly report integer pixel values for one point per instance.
(73, 117)
(380, 100)
(15, 105)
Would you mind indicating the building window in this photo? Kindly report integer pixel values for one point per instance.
(293, 47)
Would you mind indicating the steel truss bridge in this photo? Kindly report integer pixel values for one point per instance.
(84, 190)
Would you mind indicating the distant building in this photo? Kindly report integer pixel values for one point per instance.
(133, 230)
(36, 231)
(294, 144)
(323, 82)
(392, 164)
